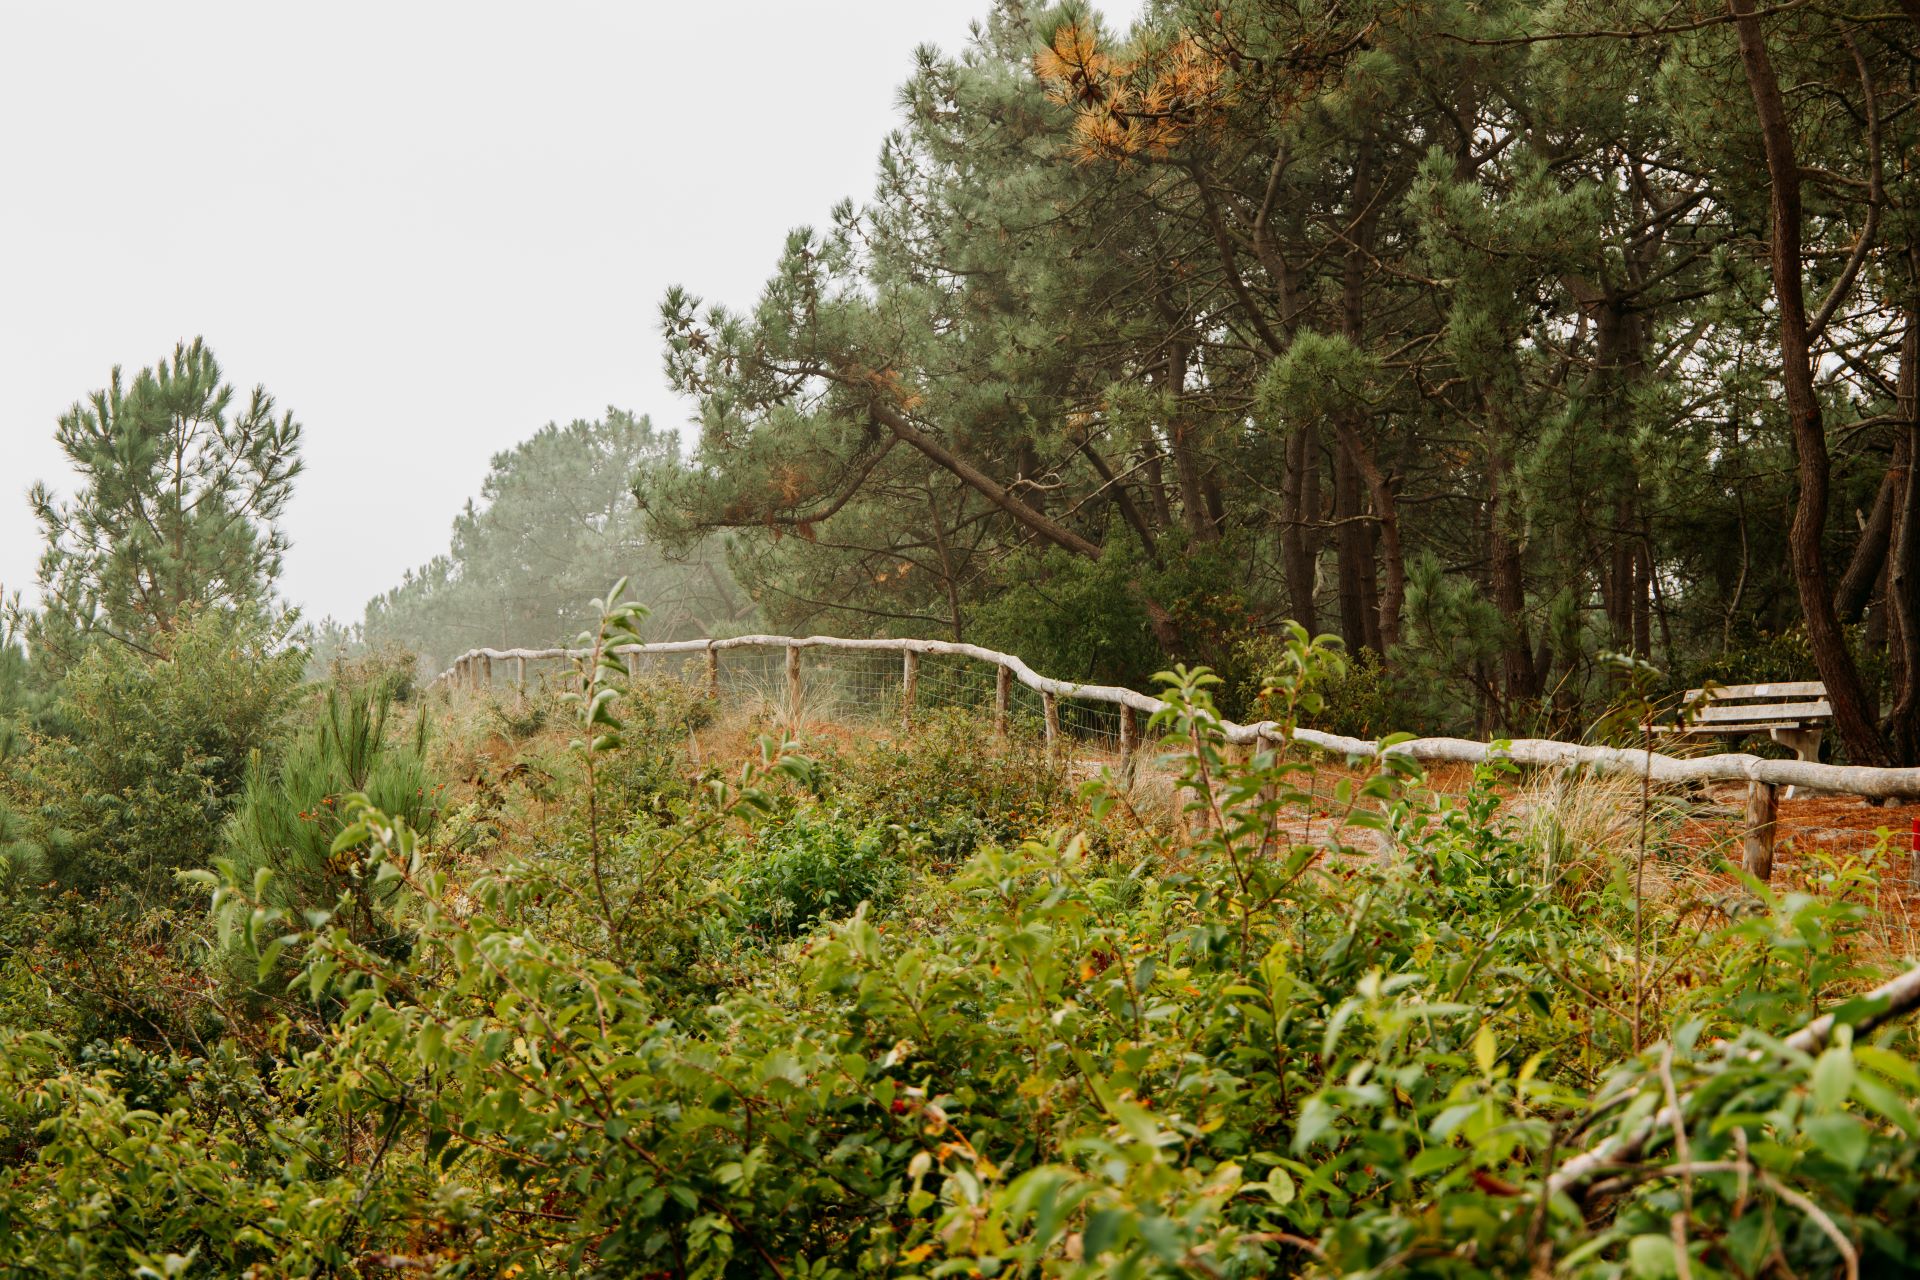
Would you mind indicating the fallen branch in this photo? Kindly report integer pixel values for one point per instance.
(1901, 997)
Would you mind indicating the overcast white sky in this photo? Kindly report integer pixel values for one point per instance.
(427, 228)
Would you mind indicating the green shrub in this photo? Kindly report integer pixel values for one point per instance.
(1276, 1057)
(1357, 694)
(1244, 1053)
(389, 672)
(790, 874)
(290, 814)
(950, 795)
(156, 750)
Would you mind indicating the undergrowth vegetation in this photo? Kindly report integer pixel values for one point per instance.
(915, 1006)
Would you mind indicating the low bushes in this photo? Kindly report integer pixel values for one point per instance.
(1233, 1055)
(155, 752)
(291, 812)
(812, 866)
(771, 1025)
(948, 794)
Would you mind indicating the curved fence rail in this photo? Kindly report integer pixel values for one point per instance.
(1763, 776)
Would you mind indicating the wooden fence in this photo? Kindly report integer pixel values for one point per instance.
(1763, 776)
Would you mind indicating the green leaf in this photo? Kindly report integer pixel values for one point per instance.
(1888, 1064)
(1435, 1160)
(1652, 1257)
(1841, 1138)
(1833, 1078)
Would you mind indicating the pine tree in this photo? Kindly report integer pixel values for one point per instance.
(555, 521)
(181, 490)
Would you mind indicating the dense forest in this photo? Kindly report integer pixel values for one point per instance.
(1500, 369)
(1491, 338)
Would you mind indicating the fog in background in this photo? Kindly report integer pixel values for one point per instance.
(428, 229)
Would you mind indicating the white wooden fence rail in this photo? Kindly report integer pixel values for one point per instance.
(1763, 776)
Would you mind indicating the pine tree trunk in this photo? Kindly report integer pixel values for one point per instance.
(1868, 566)
(1366, 626)
(1353, 549)
(1852, 717)
(1298, 538)
(1619, 592)
(1642, 599)
(1520, 685)
(1182, 442)
(1903, 560)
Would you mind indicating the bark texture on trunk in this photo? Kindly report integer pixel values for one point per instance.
(1300, 535)
(1519, 675)
(1852, 716)
(1868, 565)
(1903, 558)
(1355, 552)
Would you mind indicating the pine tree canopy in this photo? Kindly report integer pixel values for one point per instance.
(1493, 338)
(181, 488)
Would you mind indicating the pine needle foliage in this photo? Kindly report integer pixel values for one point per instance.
(289, 816)
(184, 485)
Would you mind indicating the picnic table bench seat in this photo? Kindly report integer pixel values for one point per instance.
(1794, 713)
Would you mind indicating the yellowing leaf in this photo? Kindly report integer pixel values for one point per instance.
(1483, 1049)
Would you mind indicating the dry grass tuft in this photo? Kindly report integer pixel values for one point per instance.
(1584, 824)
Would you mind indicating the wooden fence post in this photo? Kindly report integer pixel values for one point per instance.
(1129, 736)
(1756, 842)
(520, 674)
(1052, 706)
(909, 686)
(1002, 701)
(793, 687)
(633, 665)
(486, 670)
(713, 672)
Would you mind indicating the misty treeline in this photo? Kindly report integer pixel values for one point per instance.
(1491, 337)
(554, 523)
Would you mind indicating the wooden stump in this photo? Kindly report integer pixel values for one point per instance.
(1002, 701)
(909, 687)
(1756, 841)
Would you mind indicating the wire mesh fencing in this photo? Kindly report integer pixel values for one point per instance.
(800, 686)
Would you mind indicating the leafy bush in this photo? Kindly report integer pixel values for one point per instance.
(156, 751)
(22, 858)
(788, 875)
(1251, 1051)
(1076, 619)
(947, 794)
(1355, 696)
(389, 672)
